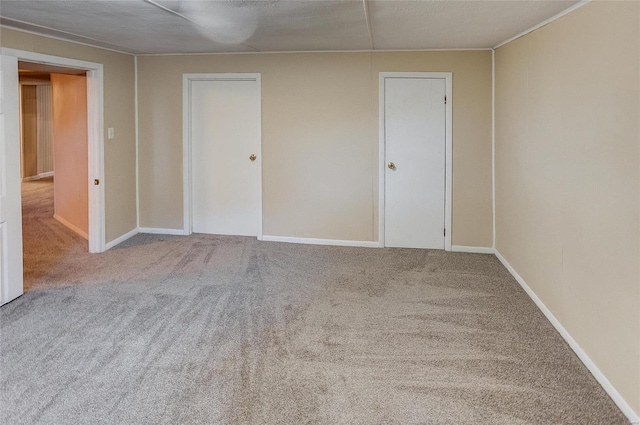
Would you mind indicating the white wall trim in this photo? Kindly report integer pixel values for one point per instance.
(38, 177)
(582, 355)
(186, 139)
(186, 155)
(448, 77)
(11, 258)
(95, 134)
(493, 142)
(473, 249)
(72, 227)
(314, 241)
(61, 38)
(160, 231)
(282, 52)
(21, 124)
(135, 105)
(122, 238)
(543, 23)
(95, 130)
(365, 6)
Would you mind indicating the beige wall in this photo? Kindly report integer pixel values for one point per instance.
(119, 112)
(319, 138)
(70, 151)
(568, 178)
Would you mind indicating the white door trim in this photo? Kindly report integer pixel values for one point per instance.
(11, 270)
(448, 77)
(186, 139)
(95, 135)
(38, 176)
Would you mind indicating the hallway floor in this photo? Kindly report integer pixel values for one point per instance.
(46, 242)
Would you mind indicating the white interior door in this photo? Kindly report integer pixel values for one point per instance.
(10, 197)
(414, 153)
(225, 129)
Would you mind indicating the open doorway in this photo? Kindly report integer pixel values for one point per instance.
(11, 253)
(54, 167)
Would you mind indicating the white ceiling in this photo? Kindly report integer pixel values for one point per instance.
(192, 26)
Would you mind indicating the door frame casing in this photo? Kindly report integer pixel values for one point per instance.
(186, 140)
(95, 136)
(20, 85)
(448, 78)
(11, 267)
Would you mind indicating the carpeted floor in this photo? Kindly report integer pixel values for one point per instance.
(229, 330)
(46, 242)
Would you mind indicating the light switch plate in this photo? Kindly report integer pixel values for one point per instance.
(110, 133)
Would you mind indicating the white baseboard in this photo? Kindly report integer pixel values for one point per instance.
(71, 227)
(121, 239)
(313, 241)
(472, 249)
(582, 355)
(160, 231)
(38, 177)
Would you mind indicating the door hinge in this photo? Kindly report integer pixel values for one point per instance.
(445, 232)
(445, 100)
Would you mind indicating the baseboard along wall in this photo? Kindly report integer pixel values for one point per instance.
(38, 177)
(133, 232)
(122, 238)
(71, 227)
(314, 241)
(472, 249)
(582, 355)
(160, 231)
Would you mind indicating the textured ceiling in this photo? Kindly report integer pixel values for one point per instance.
(191, 26)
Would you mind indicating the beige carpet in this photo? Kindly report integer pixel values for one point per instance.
(230, 330)
(47, 242)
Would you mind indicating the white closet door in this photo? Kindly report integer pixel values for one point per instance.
(415, 148)
(225, 156)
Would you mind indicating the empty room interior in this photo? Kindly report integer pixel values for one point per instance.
(320, 212)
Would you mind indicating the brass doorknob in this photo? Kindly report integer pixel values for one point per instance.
(253, 157)
(391, 166)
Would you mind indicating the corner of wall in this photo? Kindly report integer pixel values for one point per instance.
(622, 404)
(135, 76)
(493, 142)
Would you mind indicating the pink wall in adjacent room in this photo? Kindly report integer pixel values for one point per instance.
(70, 151)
